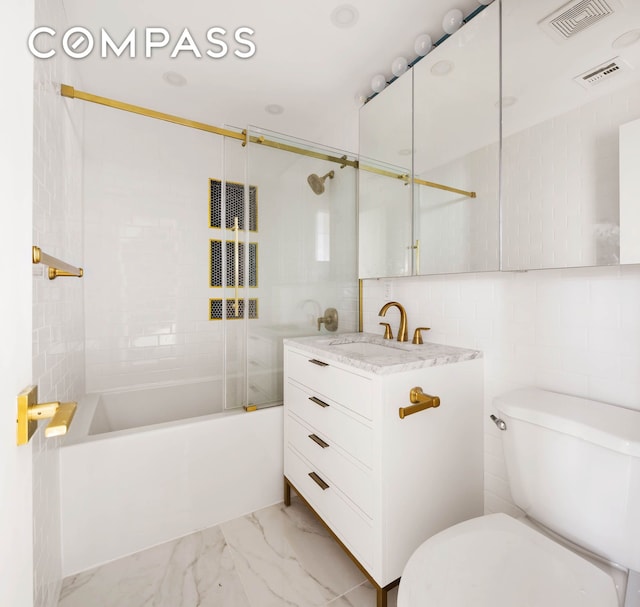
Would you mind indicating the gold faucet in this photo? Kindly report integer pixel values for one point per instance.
(402, 331)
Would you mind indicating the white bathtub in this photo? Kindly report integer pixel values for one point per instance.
(133, 476)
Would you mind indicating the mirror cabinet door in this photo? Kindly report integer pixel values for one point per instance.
(384, 191)
(571, 93)
(457, 145)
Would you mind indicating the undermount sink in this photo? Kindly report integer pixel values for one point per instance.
(364, 348)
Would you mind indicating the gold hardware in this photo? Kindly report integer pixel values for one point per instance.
(318, 481)
(402, 331)
(249, 408)
(315, 361)
(56, 266)
(360, 304)
(29, 412)
(296, 150)
(439, 186)
(236, 266)
(405, 176)
(421, 402)
(417, 335)
(54, 273)
(69, 91)
(330, 319)
(72, 93)
(381, 591)
(416, 248)
(317, 401)
(318, 441)
(387, 330)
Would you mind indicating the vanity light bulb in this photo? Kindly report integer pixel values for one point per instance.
(378, 83)
(422, 45)
(399, 66)
(452, 21)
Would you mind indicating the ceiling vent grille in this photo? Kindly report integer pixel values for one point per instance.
(602, 73)
(577, 16)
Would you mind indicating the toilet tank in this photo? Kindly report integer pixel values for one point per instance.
(574, 465)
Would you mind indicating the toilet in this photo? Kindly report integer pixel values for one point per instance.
(574, 469)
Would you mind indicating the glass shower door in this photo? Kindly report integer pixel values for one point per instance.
(296, 256)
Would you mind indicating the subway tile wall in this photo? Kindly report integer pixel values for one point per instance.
(582, 198)
(58, 318)
(147, 233)
(146, 195)
(575, 331)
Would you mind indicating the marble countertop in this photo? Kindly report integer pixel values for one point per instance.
(396, 357)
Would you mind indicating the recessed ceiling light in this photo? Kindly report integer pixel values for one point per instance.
(274, 108)
(442, 68)
(174, 79)
(345, 15)
(627, 39)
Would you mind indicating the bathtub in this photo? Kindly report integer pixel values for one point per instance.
(142, 467)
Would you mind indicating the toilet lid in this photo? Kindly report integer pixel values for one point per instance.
(496, 561)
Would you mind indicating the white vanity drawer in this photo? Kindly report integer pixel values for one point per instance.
(352, 527)
(331, 420)
(334, 465)
(349, 389)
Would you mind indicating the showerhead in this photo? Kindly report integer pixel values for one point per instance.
(317, 183)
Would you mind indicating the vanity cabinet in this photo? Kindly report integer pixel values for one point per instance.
(382, 484)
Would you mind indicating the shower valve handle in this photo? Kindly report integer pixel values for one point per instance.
(330, 319)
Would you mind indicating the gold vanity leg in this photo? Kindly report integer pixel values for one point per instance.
(287, 492)
(382, 593)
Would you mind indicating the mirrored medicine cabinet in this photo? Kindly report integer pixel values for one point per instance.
(541, 137)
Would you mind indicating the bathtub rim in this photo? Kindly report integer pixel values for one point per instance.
(79, 430)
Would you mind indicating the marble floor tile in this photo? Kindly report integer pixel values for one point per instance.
(193, 571)
(285, 557)
(363, 596)
(276, 557)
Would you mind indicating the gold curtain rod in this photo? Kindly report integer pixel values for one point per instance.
(72, 93)
(57, 267)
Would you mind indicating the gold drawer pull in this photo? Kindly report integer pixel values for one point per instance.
(318, 441)
(318, 481)
(315, 361)
(317, 401)
(421, 402)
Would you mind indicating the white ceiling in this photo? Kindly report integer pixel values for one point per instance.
(303, 62)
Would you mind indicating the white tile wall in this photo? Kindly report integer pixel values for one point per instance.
(58, 332)
(571, 217)
(146, 196)
(575, 331)
(147, 233)
(457, 233)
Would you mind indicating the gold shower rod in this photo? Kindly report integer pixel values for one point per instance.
(343, 161)
(57, 267)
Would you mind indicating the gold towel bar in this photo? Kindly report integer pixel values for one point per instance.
(56, 266)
